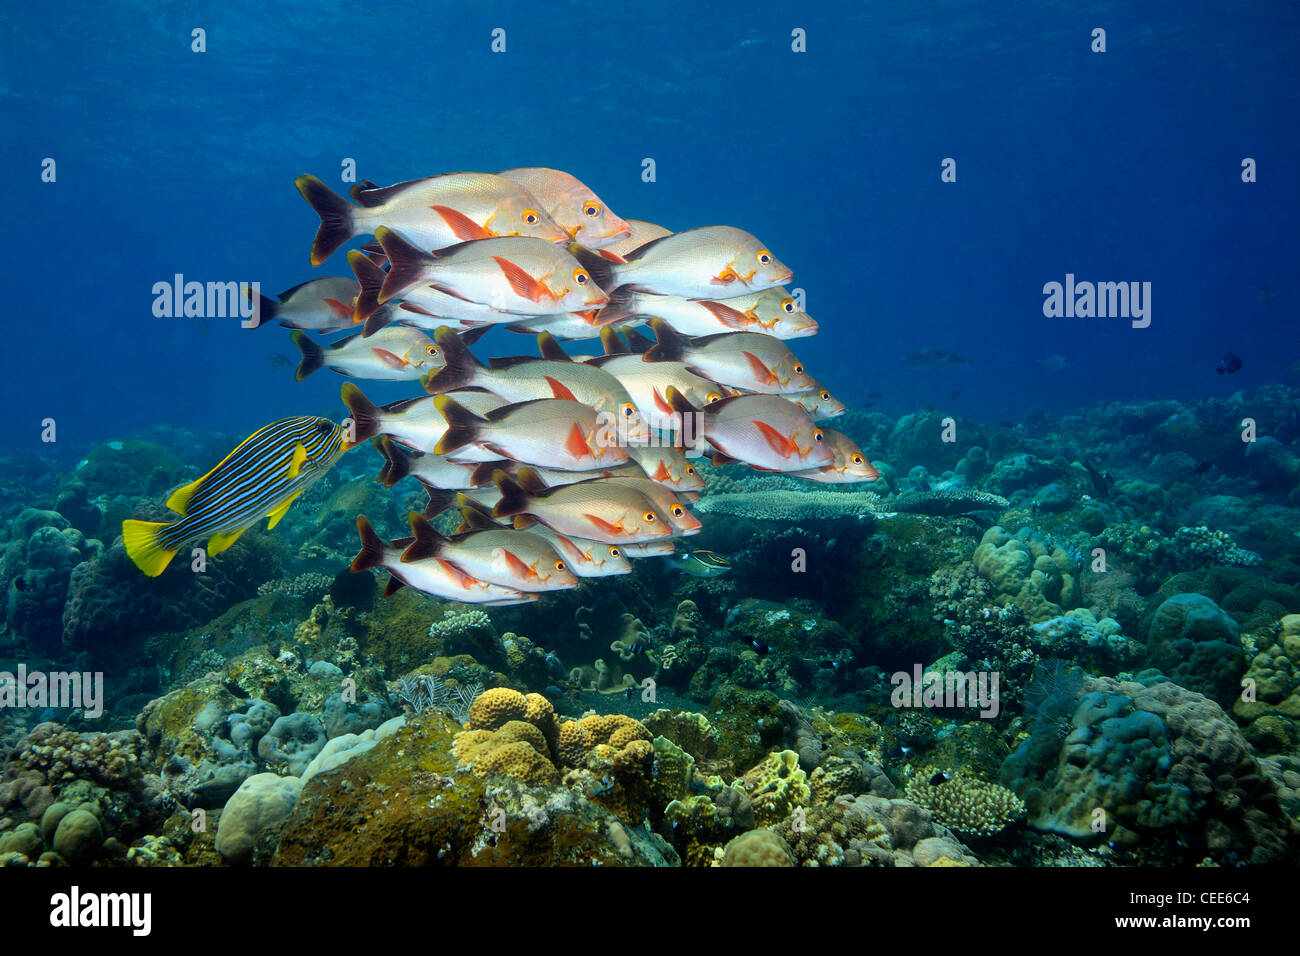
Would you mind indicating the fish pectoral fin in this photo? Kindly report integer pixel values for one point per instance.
(604, 525)
(180, 498)
(760, 370)
(296, 459)
(524, 285)
(559, 389)
(576, 445)
(727, 275)
(221, 541)
(463, 227)
(517, 566)
(391, 359)
(781, 444)
(282, 510)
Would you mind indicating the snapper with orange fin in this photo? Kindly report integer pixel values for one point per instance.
(648, 382)
(413, 422)
(504, 556)
(261, 478)
(572, 204)
(524, 276)
(422, 305)
(597, 509)
(432, 213)
(850, 465)
(551, 432)
(587, 558)
(319, 305)
(818, 402)
(765, 432)
(748, 360)
(435, 576)
(667, 465)
(708, 263)
(524, 378)
(431, 469)
(397, 354)
(641, 233)
(772, 312)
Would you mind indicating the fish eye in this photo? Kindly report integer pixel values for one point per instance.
(678, 511)
(628, 411)
(591, 210)
(531, 217)
(580, 276)
(713, 397)
(649, 517)
(787, 305)
(798, 368)
(764, 257)
(825, 396)
(817, 435)
(857, 459)
(325, 428)
(431, 350)
(690, 470)
(559, 566)
(615, 553)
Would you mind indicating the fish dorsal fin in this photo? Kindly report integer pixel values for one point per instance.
(296, 460)
(220, 542)
(551, 349)
(179, 499)
(282, 509)
(472, 517)
(510, 361)
(426, 543)
(668, 343)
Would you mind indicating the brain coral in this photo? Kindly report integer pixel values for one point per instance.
(757, 848)
(1025, 572)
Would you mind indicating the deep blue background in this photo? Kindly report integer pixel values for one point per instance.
(1122, 166)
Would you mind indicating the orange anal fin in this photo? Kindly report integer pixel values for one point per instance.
(662, 404)
(611, 256)
(520, 281)
(661, 473)
(761, 372)
(464, 227)
(781, 444)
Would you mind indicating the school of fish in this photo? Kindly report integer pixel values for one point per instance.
(561, 467)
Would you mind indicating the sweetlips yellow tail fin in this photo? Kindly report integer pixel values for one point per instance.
(140, 539)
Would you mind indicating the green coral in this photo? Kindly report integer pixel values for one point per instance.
(963, 802)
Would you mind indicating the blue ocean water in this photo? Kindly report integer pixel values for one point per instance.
(1115, 166)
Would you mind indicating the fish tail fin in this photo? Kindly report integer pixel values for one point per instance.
(668, 344)
(398, 460)
(440, 499)
(514, 500)
(371, 278)
(679, 402)
(405, 263)
(637, 342)
(371, 554)
(612, 344)
(366, 415)
(617, 309)
(313, 356)
(335, 214)
(461, 368)
(140, 538)
(603, 272)
(427, 541)
(463, 426)
(267, 308)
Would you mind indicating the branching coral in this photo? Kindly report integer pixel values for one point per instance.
(964, 803)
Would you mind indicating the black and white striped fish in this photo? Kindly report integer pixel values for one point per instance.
(259, 479)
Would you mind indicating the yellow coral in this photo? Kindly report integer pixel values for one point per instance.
(497, 706)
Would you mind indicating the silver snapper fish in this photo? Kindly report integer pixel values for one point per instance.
(397, 354)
